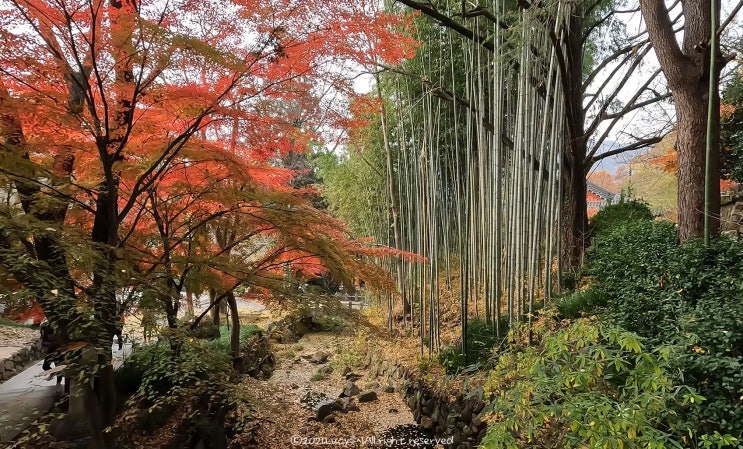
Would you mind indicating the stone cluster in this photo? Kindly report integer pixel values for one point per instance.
(458, 417)
(19, 360)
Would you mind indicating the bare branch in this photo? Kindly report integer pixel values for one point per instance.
(642, 143)
(730, 18)
(447, 22)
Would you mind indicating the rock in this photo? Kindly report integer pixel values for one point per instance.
(326, 408)
(388, 389)
(371, 386)
(303, 430)
(319, 357)
(351, 376)
(427, 423)
(294, 386)
(467, 412)
(349, 406)
(350, 390)
(329, 419)
(368, 396)
(9, 365)
(393, 410)
(346, 371)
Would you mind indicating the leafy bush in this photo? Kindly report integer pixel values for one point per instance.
(690, 296)
(588, 385)
(351, 356)
(482, 340)
(159, 373)
(568, 281)
(618, 214)
(628, 265)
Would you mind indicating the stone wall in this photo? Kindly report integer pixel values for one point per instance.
(457, 417)
(731, 215)
(18, 360)
(290, 328)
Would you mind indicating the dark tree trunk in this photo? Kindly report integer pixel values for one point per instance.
(215, 309)
(574, 226)
(574, 222)
(686, 68)
(691, 111)
(235, 331)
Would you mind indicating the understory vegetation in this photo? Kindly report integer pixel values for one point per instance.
(646, 352)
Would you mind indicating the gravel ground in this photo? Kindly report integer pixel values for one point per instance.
(286, 423)
(17, 336)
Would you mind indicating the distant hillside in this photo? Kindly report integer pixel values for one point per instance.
(613, 163)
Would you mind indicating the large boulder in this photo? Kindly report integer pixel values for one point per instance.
(368, 396)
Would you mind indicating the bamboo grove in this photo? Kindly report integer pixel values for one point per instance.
(473, 134)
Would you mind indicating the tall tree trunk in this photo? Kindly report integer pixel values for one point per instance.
(235, 331)
(215, 309)
(687, 70)
(691, 112)
(574, 221)
(189, 302)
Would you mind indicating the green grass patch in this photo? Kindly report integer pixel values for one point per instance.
(10, 323)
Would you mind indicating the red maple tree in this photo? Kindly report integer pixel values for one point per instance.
(126, 126)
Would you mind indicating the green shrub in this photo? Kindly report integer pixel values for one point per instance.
(588, 385)
(568, 281)
(628, 265)
(690, 296)
(158, 373)
(707, 282)
(618, 214)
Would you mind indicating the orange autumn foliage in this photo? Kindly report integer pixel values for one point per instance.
(668, 161)
(154, 125)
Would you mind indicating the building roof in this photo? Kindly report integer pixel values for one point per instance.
(600, 191)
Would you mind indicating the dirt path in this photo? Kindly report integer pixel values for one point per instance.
(286, 422)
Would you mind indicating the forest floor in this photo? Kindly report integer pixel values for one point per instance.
(316, 367)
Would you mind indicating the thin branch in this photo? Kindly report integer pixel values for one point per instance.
(730, 18)
(642, 143)
(447, 22)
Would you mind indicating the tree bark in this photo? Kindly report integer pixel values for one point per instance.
(574, 222)
(235, 331)
(691, 112)
(687, 70)
(215, 310)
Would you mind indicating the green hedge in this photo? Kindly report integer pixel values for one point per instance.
(615, 215)
(689, 296)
